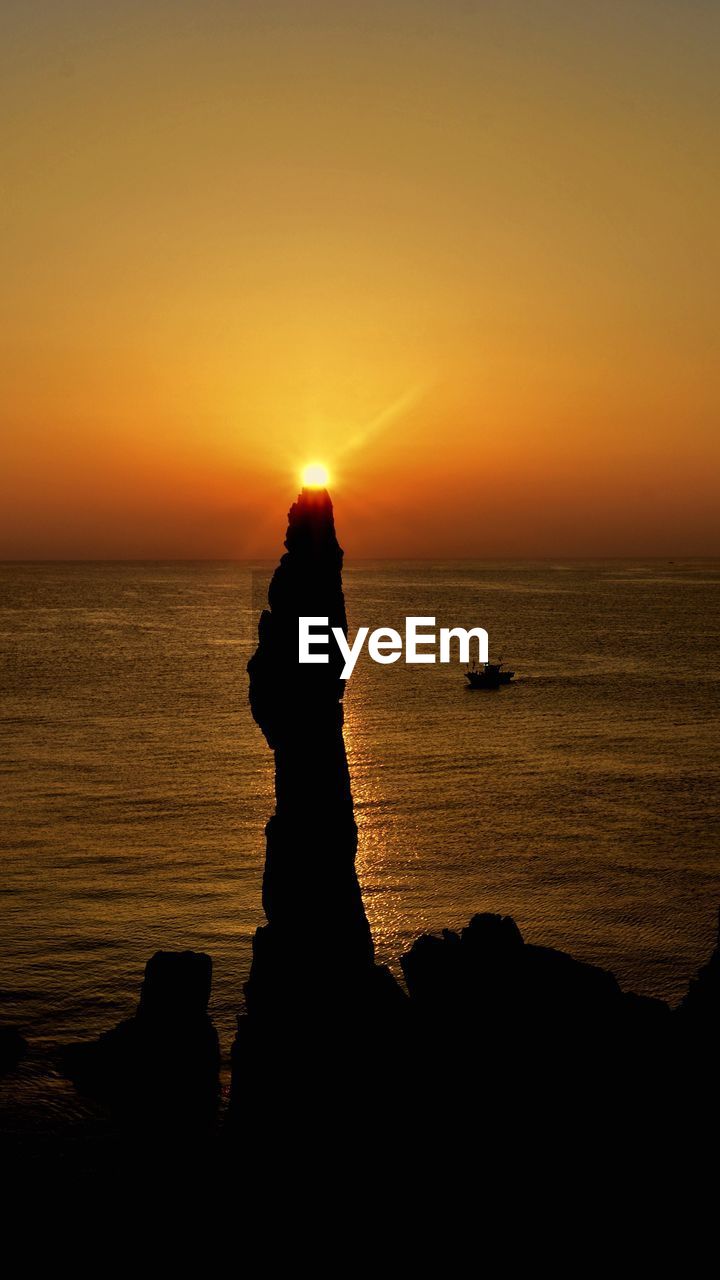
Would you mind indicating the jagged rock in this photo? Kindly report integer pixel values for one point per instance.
(488, 978)
(163, 1062)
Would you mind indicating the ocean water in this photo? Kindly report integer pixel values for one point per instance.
(135, 786)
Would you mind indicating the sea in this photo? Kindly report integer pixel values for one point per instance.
(582, 799)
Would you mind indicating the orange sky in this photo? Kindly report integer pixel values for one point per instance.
(465, 253)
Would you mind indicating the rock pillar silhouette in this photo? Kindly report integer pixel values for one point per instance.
(317, 941)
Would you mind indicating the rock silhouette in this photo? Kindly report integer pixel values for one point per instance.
(314, 988)
(317, 944)
(532, 1024)
(163, 1063)
(488, 975)
(311, 894)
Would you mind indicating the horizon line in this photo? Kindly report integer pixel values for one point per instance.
(420, 559)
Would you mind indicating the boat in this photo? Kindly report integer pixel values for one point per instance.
(488, 675)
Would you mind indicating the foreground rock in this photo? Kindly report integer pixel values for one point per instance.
(517, 1043)
(503, 1051)
(487, 977)
(163, 1063)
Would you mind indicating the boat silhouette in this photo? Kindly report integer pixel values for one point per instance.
(488, 675)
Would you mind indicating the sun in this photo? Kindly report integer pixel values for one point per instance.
(315, 476)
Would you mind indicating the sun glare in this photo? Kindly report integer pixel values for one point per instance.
(315, 476)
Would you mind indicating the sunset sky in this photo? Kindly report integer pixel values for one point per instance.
(463, 252)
